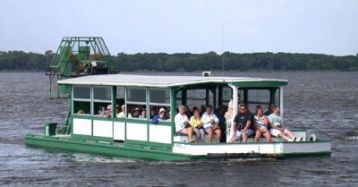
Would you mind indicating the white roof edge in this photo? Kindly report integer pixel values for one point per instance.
(155, 80)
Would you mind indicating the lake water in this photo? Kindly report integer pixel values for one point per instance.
(324, 102)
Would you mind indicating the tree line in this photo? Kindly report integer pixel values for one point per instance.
(20, 61)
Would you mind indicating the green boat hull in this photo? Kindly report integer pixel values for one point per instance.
(104, 148)
(137, 151)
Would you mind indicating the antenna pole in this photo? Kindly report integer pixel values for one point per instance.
(223, 49)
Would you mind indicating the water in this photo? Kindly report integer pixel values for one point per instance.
(324, 102)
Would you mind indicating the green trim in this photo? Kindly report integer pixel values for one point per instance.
(114, 97)
(261, 142)
(136, 121)
(87, 137)
(147, 106)
(259, 83)
(164, 123)
(110, 149)
(157, 145)
(173, 110)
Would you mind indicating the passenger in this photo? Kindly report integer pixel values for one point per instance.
(197, 125)
(230, 108)
(153, 112)
(261, 123)
(121, 114)
(102, 111)
(143, 114)
(222, 121)
(277, 127)
(270, 110)
(136, 113)
(242, 125)
(106, 112)
(81, 112)
(182, 124)
(211, 124)
(159, 117)
(109, 111)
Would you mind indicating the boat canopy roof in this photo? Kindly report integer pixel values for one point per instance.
(161, 81)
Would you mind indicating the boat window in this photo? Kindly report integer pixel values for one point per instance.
(136, 103)
(159, 99)
(102, 93)
(102, 101)
(136, 111)
(196, 97)
(262, 97)
(258, 96)
(82, 92)
(161, 96)
(82, 107)
(226, 95)
(136, 94)
(81, 100)
(154, 110)
(120, 105)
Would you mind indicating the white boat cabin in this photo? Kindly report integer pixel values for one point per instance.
(120, 107)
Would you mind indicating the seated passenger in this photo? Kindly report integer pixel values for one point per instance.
(143, 114)
(243, 126)
(230, 108)
(277, 127)
(121, 114)
(261, 123)
(197, 125)
(81, 112)
(211, 124)
(182, 124)
(106, 112)
(135, 113)
(159, 117)
(270, 110)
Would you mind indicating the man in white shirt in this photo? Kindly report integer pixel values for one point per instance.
(211, 124)
(182, 124)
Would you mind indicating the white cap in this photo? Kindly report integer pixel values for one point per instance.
(162, 110)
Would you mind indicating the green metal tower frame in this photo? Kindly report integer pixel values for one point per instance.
(78, 56)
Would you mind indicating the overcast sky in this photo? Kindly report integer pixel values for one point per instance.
(303, 26)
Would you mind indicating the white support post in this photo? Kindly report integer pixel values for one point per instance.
(281, 101)
(235, 108)
(234, 100)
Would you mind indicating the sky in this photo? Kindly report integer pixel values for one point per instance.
(176, 26)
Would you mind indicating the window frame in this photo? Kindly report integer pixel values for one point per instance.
(80, 99)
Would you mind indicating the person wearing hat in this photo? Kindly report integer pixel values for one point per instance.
(136, 112)
(160, 116)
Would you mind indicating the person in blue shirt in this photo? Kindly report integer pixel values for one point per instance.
(277, 127)
(161, 116)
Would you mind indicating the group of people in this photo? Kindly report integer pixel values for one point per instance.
(245, 124)
(198, 124)
(202, 122)
(270, 123)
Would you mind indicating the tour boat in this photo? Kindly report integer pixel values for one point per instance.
(88, 128)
